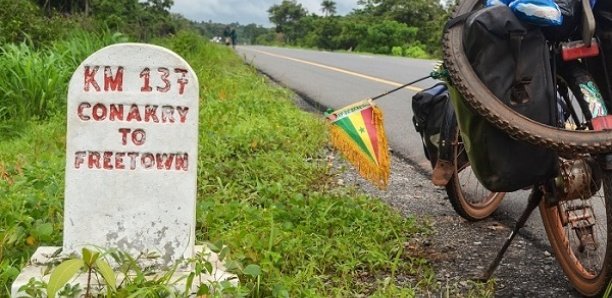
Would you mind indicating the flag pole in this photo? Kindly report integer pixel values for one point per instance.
(401, 87)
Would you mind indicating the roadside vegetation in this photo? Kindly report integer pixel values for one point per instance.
(409, 28)
(266, 187)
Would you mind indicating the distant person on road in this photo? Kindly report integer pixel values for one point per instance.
(233, 37)
(227, 32)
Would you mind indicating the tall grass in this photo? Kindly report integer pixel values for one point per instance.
(33, 81)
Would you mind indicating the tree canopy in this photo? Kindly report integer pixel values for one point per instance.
(40, 20)
(399, 27)
(328, 7)
(379, 26)
(287, 16)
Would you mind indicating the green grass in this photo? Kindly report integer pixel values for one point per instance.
(265, 189)
(33, 84)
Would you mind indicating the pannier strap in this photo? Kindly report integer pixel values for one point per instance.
(457, 20)
(448, 130)
(519, 93)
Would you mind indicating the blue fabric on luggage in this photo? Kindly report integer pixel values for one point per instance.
(497, 2)
(537, 12)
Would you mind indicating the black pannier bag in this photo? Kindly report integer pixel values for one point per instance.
(513, 60)
(434, 119)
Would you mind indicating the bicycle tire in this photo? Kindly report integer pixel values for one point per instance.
(591, 283)
(468, 197)
(588, 270)
(485, 103)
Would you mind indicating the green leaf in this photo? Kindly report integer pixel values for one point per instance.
(252, 270)
(62, 274)
(209, 267)
(43, 230)
(189, 282)
(214, 247)
(107, 273)
(232, 266)
(203, 290)
(224, 252)
(89, 257)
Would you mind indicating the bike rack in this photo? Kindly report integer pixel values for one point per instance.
(588, 22)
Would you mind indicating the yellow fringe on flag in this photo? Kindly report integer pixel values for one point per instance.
(376, 171)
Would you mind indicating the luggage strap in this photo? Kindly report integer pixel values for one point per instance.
(519, 93)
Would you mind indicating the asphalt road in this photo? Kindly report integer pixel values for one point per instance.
(338, 79)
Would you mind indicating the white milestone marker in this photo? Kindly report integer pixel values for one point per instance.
(131, 153)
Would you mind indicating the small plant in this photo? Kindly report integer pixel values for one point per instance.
(91, 263)
(608, 291)
(138, 280)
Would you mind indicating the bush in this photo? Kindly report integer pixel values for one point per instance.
(397, 51)
(22, 21)
(381, 37)
(416, 51)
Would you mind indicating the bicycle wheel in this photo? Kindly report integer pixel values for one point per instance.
(579, 234)
(486, 103)
(578, 221)
(468, 197)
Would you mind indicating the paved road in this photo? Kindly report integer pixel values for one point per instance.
(338, 79)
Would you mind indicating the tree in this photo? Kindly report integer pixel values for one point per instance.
(429, 16)
(251, 32)
(383, 36)
(24, 21)
(410, 12)
(328, 7)
(286, 17)
(140, 19)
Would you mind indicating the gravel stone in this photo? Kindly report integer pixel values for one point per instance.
(469, 247)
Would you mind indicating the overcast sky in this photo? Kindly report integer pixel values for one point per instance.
(245, 11)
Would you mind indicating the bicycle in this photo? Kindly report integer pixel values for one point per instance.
(468, 197)
(435, 120)
(576, 208)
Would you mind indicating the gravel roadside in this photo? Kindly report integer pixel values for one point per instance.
(460, 250)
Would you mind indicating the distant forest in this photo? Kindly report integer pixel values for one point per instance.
(399, 27)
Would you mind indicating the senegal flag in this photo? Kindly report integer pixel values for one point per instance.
(357, 131)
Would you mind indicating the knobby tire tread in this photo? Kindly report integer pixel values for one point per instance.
(485, 103)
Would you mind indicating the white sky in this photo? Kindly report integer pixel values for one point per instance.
(245, 11)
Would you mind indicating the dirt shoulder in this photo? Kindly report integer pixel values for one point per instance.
(460, 250)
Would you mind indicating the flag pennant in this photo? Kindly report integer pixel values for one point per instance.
(357, 132)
